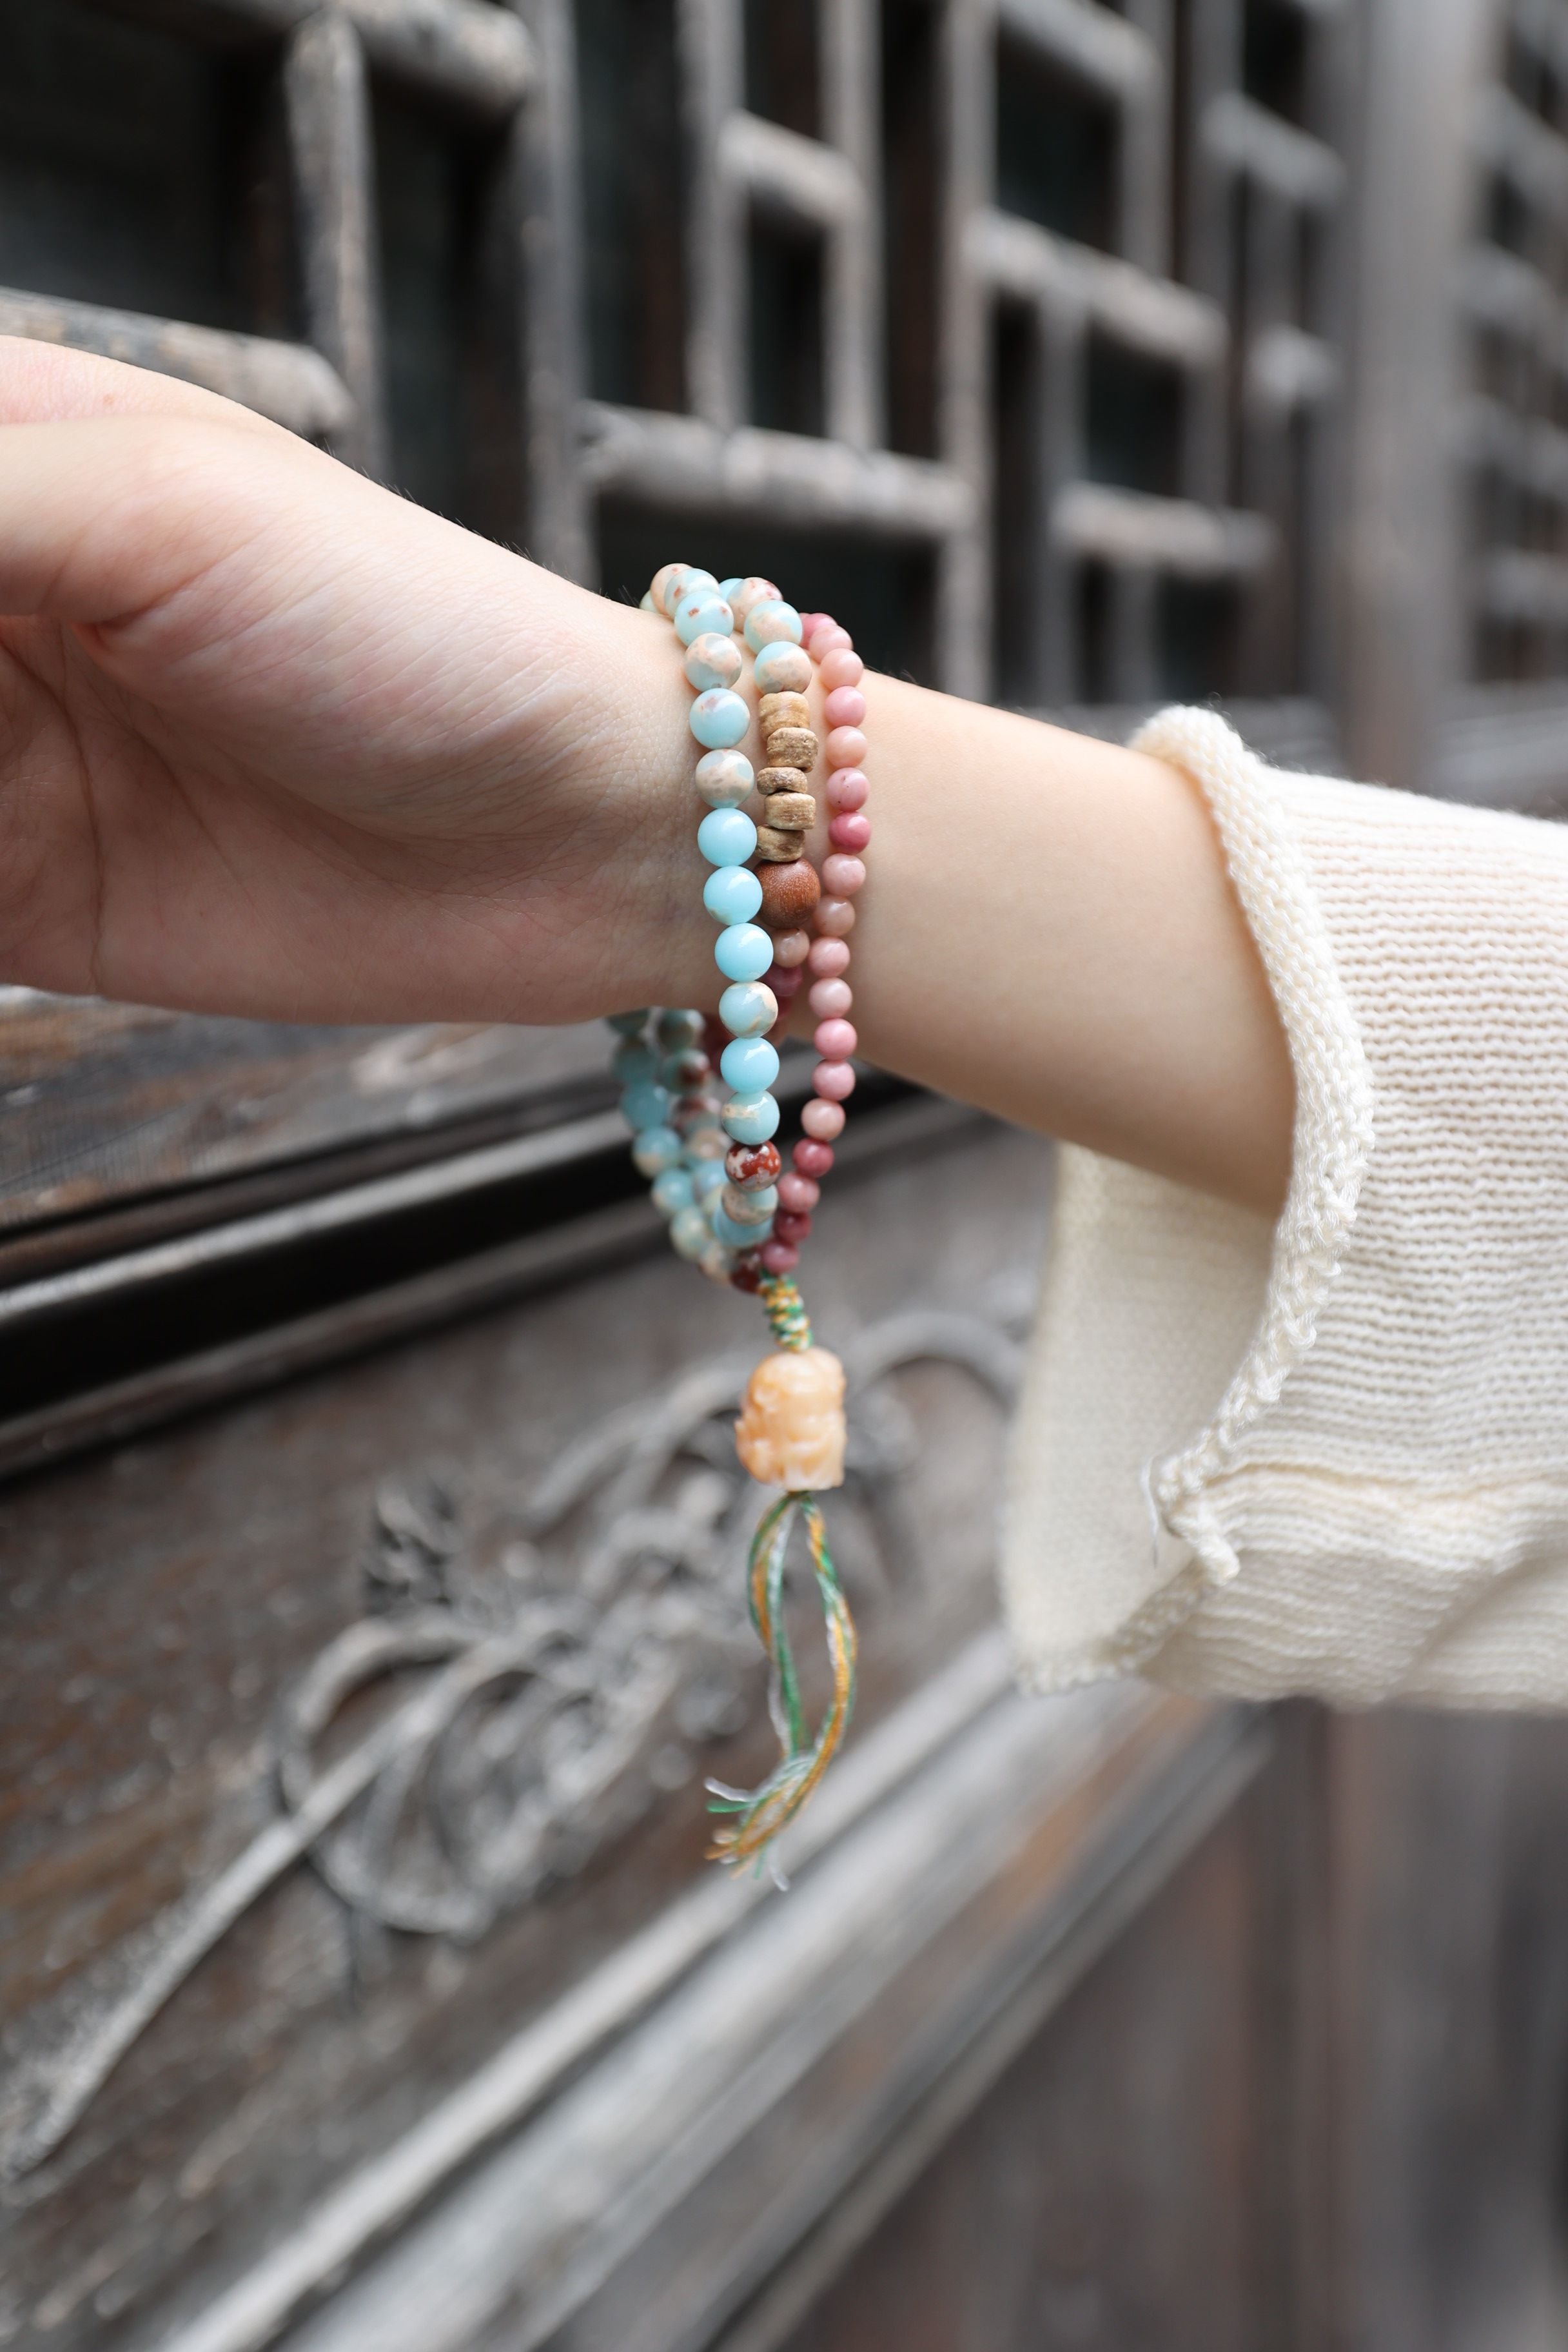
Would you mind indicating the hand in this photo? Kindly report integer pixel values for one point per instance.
(275, 742)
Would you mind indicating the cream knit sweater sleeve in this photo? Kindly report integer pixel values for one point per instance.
(1331, 1455)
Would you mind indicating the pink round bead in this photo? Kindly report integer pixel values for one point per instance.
(834, 918)
(841, 666)
(845, 747)
(828, 958)
(793, 1227)
(791, 947)
(834, 1082)
(846, 789)
(812, 1158)
(845, 707)
(785, 980)
(780, 1257)
(830, 1000)
(810, 621)
(841, 878)
(834, 1039)
(798, 1194)
(823, 1121)
(851, 832)
(829, 638)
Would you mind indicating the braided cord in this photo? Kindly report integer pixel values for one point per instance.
(787, 1318)
(761, 1813)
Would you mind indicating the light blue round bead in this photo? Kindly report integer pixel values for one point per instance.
(780, 654)
(727, 837)
(734, 1236)
(719, 718)
(633, 1061)
(727, 587)
(673, 1192)
(749, 1009)
(732, 894)
(690, 1232)
(706, 1178)
(769, 622)
(749, 1064)
(629, 1024)
(645, 1104)
(750, 1119)
(656, 1148)
(690, 576)
(743, 952)
(698, 615)
(724, 778)
(645, 602)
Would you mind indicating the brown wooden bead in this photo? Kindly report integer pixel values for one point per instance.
(784, 711)
(780, 780)
(792, 812)
(790, 892)
(777, 848)
(752, 1166)
(792, 747)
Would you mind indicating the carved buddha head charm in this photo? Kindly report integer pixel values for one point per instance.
(791, 1430)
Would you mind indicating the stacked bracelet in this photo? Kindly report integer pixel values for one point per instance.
(717, 1173)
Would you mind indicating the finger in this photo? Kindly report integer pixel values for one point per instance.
(42, 383)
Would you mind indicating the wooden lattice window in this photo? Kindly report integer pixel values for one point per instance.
(1515, 437)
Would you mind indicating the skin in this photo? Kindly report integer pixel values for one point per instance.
(275, 743)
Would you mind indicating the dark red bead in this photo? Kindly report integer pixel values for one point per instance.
(785, 982)
(746, 1274)
(812, 1159)
(752, 1165)
(788, 1228)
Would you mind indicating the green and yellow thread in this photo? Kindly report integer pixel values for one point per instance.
(761, 1813)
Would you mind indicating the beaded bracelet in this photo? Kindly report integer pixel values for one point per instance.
(717, 1174)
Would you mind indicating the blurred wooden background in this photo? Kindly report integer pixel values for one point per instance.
(370, 1533)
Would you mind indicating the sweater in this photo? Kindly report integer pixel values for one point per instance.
(1329, 1454)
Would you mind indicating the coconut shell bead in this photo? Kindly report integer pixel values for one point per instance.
(775, 846)
(790, 893)
(791, 1432)
(792, 812)
(773, 780)
(776, 711)
(795, 747)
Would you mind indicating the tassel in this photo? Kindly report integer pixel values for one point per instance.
(759, 1814)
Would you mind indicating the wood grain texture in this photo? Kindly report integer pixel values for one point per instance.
(153, 1644)
(105, 1103)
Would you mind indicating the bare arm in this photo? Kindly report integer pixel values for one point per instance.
(274, 742)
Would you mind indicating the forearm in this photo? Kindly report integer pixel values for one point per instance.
(1047, 932)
